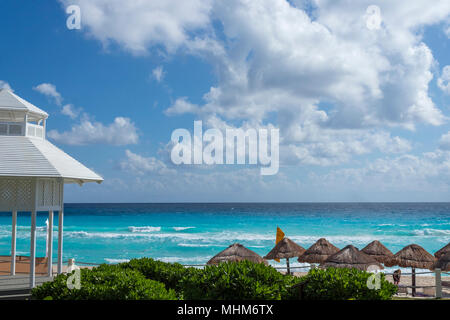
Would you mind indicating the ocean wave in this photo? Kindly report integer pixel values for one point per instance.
(113, 261)
(225, 237)
(78, 234)
(190, 260)
(194, 245)
(144, 229)
(431, 232)
(182, 228)
(256, 240)
(28, 228)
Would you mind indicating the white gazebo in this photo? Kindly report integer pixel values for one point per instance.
(33, 173)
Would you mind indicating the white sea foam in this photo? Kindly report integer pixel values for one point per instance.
(101, 235)
(194, 245)
(112, 261)
(144, 229)
(431, 232)
(182, 228)
(257, 240)
(225, 237)
(190, 260)
(28, 228)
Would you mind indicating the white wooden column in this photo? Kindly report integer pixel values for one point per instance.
(33, 250)
(50, 244)
(13, 243)
(60, 240)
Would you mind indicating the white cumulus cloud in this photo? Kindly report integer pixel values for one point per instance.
(143, 165)
(5, 85)
(336, 86)
(137, 25)
(158, 73)
(444, 80)
(49, 90)
(444, 142)
(70, 111)
(120, 132)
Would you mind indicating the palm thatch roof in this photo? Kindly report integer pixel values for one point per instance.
(444, 262)
(414, 256)
(442, 251)
(318, 252)
(286, 248)
(236, 252)
(379, 252)
(351, 257)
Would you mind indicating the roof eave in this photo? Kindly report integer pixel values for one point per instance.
(66, 179)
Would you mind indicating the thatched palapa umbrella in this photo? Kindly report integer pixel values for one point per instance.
(442, 251)
(351, 257)
(285, 249)
(318, 252)
(444, 262)
(234, 253)
(414, 256)
(379, 252)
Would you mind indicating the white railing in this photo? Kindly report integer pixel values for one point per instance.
(34, 130)
(18, 129)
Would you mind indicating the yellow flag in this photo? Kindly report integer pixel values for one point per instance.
(280, 236)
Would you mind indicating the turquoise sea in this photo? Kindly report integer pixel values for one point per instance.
(193, 233)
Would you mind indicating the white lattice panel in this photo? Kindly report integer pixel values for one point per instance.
(16, 194)
(48, 193)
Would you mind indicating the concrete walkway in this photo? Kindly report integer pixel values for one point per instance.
(18, 287)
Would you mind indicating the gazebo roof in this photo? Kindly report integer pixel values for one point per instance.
(10, 104)
(26, 153)
(31, 157)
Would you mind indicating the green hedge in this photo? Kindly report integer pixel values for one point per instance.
(242, 281)
(105, 283)
(170, 274)
(343, 284)
(150, 279)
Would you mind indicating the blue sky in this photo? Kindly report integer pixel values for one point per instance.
(363, 112)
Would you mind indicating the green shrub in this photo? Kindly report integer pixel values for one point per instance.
(105, 283)
(150, 279)
(170, 274)
(343, 284)
(238, 281)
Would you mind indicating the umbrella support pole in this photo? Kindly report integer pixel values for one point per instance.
(287, 264)
(438, 283)
(413, 279)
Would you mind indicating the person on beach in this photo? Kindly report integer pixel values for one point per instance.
(396, 276)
